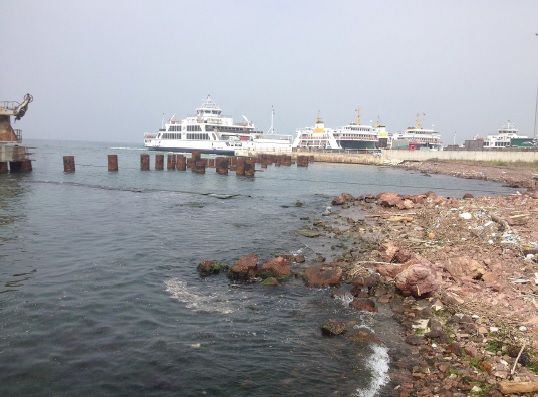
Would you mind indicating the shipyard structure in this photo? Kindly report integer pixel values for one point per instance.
(14, 157)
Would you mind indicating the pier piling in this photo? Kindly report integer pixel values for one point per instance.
(69, 163)
(171, 161)
(250, 166)
(144, 162)
(221, 165)
(112, 162)
(3, 167)
(181, 162)
(159, 162)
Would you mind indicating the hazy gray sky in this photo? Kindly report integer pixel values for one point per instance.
(108, 70)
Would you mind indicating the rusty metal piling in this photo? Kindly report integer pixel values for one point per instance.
(112, 162)
(69, 163)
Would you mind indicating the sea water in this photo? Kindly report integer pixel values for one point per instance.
(100, 296)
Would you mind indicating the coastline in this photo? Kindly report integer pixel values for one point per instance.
(459, 274)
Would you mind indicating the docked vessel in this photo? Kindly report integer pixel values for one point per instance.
(417, 138)
(316, 137)
(353, 136)
(357, 136)
(508, 135)
(210, 132)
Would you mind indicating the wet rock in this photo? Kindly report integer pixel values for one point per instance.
(308, 233)
(332, 328)
(244, 268)
(323, 277)
(274, 267)
(363, 304)
(207, 267)
(272, 281)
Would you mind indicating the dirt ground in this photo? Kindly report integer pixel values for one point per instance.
(483, 253)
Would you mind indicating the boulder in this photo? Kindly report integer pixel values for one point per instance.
(274, 267)
(388, 199)
(332, 328)
(363, 305)
(245, 267)
(323, 277)
(462, 266)
(417, 280)
(207, 268)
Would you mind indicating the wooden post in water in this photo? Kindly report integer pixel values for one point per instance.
(14, 166)
(3, 167)
(171, 161)
(240, 166)
(181, 162)
(232, 163)
(159, 162)
(69, 164)
(144, 162)
(210, 163)
(112, 162)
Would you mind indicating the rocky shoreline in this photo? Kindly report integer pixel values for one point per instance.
(460, 275)
(463, 278)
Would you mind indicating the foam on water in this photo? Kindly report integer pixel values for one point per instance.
(196, 299)
(378, 362)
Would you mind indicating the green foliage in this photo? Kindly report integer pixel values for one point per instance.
(493, 346)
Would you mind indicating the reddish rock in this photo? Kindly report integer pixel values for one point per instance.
(274, 267)
(245, 267)
(206, 268)
(464, 266)
(389, 271)
(388, 199)
(364, 336)
(417, 280)
(363, 305)
(338, 200)
(323, 277)
(388, 250)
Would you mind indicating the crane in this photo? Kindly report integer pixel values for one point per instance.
(8, 109)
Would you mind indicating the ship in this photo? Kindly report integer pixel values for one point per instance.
(211, 132)
(416, 138)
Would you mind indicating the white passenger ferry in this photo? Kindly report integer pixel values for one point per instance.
(210, 132)
(353, 136)
(507, 132)
(417, 138)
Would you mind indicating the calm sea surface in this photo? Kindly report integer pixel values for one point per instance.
(99, 294)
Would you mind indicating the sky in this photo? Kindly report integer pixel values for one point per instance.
(108, 70)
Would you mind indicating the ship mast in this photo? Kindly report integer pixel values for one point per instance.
(272, 129)
(358, 115)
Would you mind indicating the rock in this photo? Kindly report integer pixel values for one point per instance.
(274, 267)
(308, 233)
(417, 280)
(389, 271)
(388, 199)
(363, 304)
(338, 200)
(244, 268)
(323, 277)
(332, 328)
(363, 336)
(462, 266)
(207, 268)
(272, 281)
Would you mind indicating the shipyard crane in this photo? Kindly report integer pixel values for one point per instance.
(8, 109)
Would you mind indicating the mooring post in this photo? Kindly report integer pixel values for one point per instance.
(199, 167)
(250, 166)
(221, 165)
(112, 162)
(69, 163)
(171, 161)
(3, 167)
(181, 162)
(159, 162)
(144, 162)
(240, 166)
